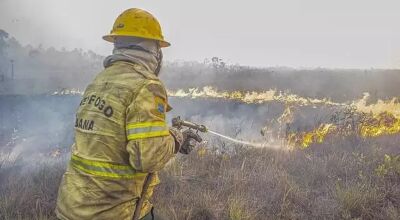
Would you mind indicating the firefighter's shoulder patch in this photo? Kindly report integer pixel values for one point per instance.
(160, 99)
(160, 107)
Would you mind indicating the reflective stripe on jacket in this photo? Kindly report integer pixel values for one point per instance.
(120, 136)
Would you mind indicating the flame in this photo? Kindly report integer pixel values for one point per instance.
(249, 97)
(383, 124)
(287, 115)
(305, 139)
(272, 95)
(368, 126)
(392, 106)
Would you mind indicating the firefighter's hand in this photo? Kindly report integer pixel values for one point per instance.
(178, 136)
(189, 138)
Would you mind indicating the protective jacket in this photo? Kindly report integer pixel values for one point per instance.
(120, 136)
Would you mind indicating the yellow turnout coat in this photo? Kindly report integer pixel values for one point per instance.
(120, 136)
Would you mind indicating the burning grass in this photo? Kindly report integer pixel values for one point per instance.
(344, 177)
(364, 125)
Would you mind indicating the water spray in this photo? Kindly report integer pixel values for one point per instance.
(238, 141)
(179, 124)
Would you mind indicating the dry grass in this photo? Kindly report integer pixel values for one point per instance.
(29, 192)
(343, 178)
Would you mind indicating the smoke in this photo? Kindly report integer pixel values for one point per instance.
(241, 102)
(33, 127)
(38, 70)
(41, 127)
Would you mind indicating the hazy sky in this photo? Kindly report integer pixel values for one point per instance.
(295, 33)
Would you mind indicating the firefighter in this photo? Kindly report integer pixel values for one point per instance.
(121, 135)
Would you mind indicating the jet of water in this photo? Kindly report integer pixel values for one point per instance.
(253, 144)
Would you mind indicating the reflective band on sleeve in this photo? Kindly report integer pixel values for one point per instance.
(146, 130)
(104, 169)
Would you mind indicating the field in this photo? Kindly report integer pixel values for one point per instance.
(344, 176)
(324, 143)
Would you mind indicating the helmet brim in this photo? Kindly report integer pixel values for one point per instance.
(111, 38)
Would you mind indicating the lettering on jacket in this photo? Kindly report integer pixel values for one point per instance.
(99, 103)
(84, 124)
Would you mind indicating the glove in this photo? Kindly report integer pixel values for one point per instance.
(178, 137)
(188, 137)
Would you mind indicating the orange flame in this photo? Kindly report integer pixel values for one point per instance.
(383, 124)
(249, 97)
(371, 126)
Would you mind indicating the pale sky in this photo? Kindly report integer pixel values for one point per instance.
(294, 33)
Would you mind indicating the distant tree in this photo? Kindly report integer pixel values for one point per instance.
(3, 43)
(3, 58)
(218, 63)
(33, 53)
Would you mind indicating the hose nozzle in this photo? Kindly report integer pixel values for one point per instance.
(179, 123)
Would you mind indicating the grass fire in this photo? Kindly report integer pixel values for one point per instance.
(298, 117)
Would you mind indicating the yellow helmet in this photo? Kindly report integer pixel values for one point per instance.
(136, 22)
